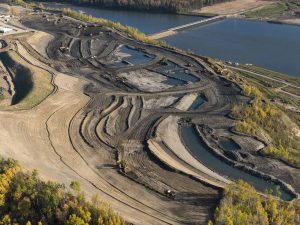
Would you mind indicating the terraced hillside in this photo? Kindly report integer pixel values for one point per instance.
(124, 119)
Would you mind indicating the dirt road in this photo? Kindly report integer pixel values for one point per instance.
(114, 125)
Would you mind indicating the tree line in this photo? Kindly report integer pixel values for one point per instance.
(263, 119)
(242, 205)
(26, 199)
(174, 6)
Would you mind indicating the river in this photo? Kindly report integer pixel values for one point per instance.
(267, 45)
(146, 22)
(272, 46)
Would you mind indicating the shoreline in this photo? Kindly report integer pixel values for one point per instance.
(237, 165)
(90, 129)
(287, 21)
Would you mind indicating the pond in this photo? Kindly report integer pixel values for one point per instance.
(197, 103)
(228, 144)
(198, 148)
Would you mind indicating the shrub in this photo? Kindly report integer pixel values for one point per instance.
(25, 199)
(261, 118)
(131, 31)
(242, 205)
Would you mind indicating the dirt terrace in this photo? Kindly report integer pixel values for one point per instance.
(113, 122)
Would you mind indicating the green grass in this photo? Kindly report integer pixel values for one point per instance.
(268, 87)
(274, 10)
(268, 11)
(261, 81)
(32, 84)
(292, 4)
(273, 74)
(292, 90)
(269, 90)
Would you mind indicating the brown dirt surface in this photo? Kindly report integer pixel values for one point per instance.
(120, 138)
(295, 21)
(236, 6)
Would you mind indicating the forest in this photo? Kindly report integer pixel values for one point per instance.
(242, 205)
(172, 6)
(261, 118)
(26, 199)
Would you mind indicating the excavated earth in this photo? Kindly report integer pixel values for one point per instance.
(114, 123)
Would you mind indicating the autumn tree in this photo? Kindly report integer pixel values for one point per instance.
(25, 199)
(242, 205)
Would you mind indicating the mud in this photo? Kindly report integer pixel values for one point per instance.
(127, 133)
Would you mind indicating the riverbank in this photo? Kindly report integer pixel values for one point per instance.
(175, 7)
(233, 7)
(286, 21)
(244, 41)
(260, 54)
(99, 125)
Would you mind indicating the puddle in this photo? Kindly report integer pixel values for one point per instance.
(228, 144)
(173, 82)
(131, 56)
(174, 71)
(197, 103)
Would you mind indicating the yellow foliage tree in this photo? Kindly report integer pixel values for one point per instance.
(242, 205)
(75, 220)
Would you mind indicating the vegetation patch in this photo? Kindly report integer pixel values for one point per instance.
(32, 84)
(272, 74)
(170, 6)
(25, 199)
(278, 9)
(292, 90)
(268, 11)
(131, 31)
(270, 116)
(263, 119)
(261, 81)
(241, 204)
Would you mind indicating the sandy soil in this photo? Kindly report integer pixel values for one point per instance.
(39, 41)
(146, 80)
(186, 101)
(233, 7)
(168, 133)
(295, 21)
(162, 34)
(123, 140)
(42, 135)
(159, 102)
(4, 8)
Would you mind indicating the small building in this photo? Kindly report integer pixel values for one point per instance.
(5, 29)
